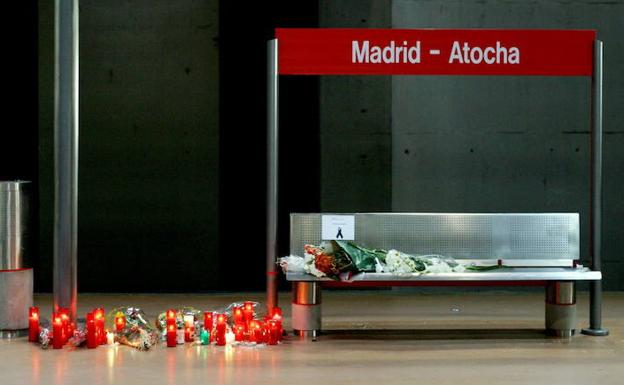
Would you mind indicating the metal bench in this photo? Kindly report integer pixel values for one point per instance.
(535, 249)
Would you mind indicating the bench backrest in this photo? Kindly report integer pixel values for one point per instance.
(549, 239)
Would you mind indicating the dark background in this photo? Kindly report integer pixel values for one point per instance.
(243, 40)
(173, 144)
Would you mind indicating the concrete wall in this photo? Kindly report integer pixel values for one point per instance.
(355, 121)
(475, 144)
(497, 144)
(148, 208)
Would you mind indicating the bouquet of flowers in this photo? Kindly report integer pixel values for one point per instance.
(333, 258)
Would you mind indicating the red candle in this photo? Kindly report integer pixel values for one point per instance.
(172, 328)
(64, 314)
(120, 323)
(221, 329)
(98, 316)
(255, 331)
(277, 316)
(33, 324)
(92, 341)
(208, 321)
(248, 311)
(239, 332)
(171, 335)
(220, 338)
(264, 333)
(187, 334)
(57, 331)
(237, 315)
(189, 328)
(273, 330)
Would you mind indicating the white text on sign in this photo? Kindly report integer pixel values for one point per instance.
(460, 53)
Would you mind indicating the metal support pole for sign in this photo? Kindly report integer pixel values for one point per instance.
(272, 177)
(595, 293)
(66, 154)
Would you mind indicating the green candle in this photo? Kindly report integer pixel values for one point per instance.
(204, 337)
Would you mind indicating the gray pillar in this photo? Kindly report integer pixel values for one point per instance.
(272, 175)
(66, 154)
(595, 287)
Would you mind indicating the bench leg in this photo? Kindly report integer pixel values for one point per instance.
(306, 309)
(561, 308)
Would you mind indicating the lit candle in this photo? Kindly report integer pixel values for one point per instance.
(277, 316)
(110, 338)
(255, 332)
(33, 324)
(248, 312)
(237, 315)
(264, 334)
(204, 337)
(171, 336)
(189, 328)
(208, 321)
(120, 322)
(172, 329)
(98, 316)
(273, 330)
(239, 332)
(277, 313)
(171, 316)
(57, 331)
(221, 329)
(64, 314)
(92, 342)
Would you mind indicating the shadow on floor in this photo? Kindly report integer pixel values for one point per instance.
(435, 334)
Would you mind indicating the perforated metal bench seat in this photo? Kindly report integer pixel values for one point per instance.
(504, 274)
(532, 248)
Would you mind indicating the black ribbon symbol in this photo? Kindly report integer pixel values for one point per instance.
(339, 235)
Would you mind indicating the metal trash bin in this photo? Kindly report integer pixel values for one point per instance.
(16, 280)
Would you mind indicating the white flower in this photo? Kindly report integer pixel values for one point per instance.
(292, 264)
(459, 268)
(439, 267)
(399, 263)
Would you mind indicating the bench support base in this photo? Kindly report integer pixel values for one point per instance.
(560, 308)
(595, 332)
(306, 309)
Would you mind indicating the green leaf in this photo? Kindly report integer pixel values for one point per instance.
(364, 259)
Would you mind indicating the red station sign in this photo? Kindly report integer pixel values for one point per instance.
(336, 51)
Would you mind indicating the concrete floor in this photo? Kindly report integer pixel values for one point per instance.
(481, 338)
